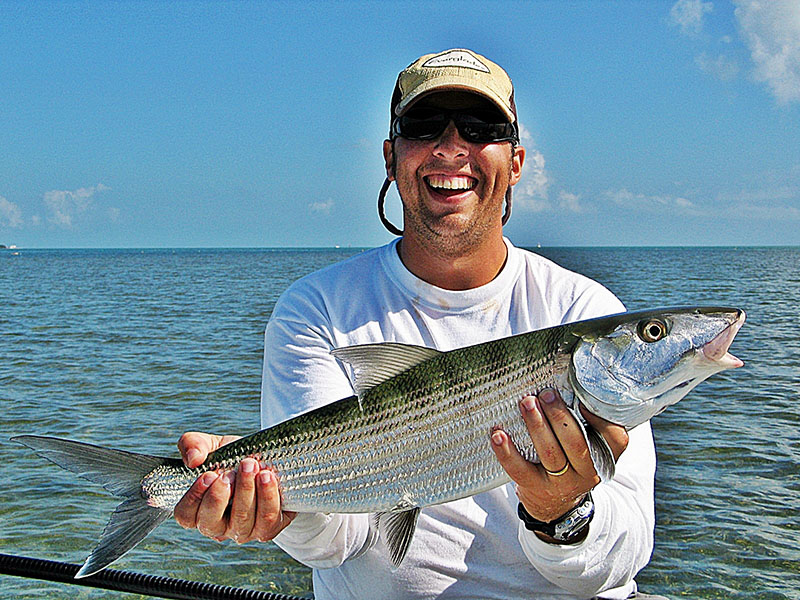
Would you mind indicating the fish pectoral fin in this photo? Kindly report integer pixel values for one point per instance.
(397, 529)
(375, 363)
(599, 450)
(601, 454)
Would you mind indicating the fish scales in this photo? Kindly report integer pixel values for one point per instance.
(418, 432)
(404, 440)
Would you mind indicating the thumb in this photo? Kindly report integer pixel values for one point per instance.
(195, 447)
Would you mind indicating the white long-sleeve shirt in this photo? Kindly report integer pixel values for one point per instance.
(475, 547)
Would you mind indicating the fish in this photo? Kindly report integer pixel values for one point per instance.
(417, 431)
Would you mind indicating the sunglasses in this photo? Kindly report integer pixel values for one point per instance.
(474, 125)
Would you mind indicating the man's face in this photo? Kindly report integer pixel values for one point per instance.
(452, 190)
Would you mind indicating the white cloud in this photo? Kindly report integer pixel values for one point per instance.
(767, 212)
(10, 214)
(629, 200)
(570, 202)
(766, 192)
(322, 206)
(721, 67)
(688, 15)
(777, 203)
(531, 191)
(772, 32)
(65, 206)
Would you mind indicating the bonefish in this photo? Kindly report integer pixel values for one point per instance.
(417, 431)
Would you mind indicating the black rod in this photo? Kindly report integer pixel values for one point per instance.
(127, 581)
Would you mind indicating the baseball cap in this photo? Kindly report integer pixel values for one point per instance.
(458, 69)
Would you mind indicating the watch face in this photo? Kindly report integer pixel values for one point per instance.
(574, 521)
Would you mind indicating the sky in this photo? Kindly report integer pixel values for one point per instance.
(260, 124)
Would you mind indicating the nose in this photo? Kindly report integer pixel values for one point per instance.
(450, 144)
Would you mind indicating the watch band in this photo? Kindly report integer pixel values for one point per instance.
(566, 529)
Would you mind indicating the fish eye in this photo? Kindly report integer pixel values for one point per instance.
(652, 330)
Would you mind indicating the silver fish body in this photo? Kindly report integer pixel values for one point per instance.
(417, 432)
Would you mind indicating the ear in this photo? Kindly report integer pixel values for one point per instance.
(517, 160)
(388, 157)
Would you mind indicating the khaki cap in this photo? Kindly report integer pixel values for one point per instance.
(456, 69)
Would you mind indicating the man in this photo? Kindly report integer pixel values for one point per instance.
(451, 280)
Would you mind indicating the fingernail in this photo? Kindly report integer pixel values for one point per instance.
(229, 478)
(209, 478)
(547, 396)
(266, 476)
(528, 404)
(248, 465)
(193, 456)
(497, 438)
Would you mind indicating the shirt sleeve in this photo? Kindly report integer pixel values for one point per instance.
(301, 374)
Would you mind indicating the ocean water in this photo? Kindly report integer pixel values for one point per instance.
(129, 348)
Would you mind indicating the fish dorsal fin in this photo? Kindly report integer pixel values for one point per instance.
(397, 530)
(375, 363)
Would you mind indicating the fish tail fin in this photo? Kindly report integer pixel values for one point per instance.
(130, 523)
(119, 472)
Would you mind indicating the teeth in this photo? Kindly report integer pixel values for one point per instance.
(451, 183)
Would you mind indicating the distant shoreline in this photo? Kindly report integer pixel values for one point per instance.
(361, 248)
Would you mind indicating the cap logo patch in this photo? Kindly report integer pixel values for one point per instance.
(456, 58)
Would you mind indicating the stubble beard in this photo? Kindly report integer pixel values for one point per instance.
(451, 234)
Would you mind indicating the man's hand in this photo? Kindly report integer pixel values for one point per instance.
(566, 472)
(241, 505)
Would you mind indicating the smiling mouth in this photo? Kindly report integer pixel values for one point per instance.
(450, 184)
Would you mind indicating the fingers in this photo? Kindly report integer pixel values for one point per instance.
(566, 445)
(543, 432)
(243, 506)
(212, 518)
(519, 469)
(243, 509)
(187, 507)
(270, 520)
(544, 497)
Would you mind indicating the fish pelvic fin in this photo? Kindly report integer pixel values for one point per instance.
(119, 472)
(397, 529)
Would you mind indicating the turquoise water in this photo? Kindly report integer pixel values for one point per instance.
(129, 348)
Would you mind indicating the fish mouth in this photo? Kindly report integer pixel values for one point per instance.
(717, 349)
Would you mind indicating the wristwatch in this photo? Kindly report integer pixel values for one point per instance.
(568, 528)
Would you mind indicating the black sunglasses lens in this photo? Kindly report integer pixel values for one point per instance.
(485, 133)
(422, 124)
(482, 127)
